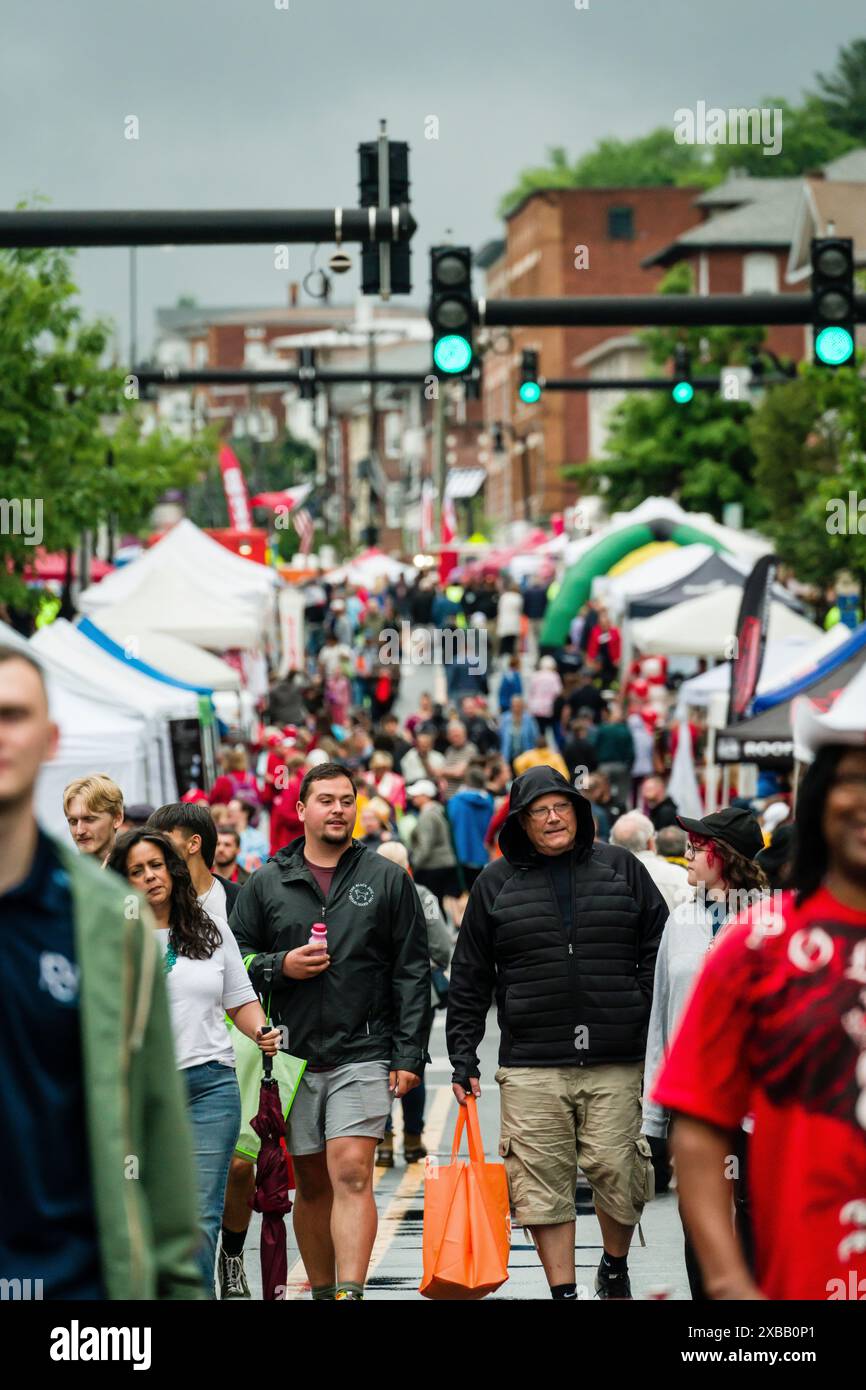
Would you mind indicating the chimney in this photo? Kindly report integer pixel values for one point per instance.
(294, 290)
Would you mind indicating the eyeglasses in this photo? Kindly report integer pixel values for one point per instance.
(695, 847)
(542, 813)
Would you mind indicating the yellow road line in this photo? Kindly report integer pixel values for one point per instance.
(297, 1284)
(412, 1179)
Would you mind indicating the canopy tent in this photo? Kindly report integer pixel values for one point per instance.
(186, 555)
(844, 721)
(191, 609)
(656, 519)
(98, 733)
(69, 649)
(828, 655)
(768, 738)
(714, 573)
(658, 571)
(171, 656)
(369, 569)
(701, 691)
(704, 626)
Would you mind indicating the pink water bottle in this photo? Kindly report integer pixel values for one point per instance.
(319, 936)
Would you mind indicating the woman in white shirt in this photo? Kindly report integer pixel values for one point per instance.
(206, 980)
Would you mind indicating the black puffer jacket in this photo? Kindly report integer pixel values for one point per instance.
(560, 1001)
(373, 1001)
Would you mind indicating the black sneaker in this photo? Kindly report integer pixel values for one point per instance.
(233, 1279)
(615, 1286)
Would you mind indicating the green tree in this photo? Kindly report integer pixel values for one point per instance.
(842, 93)
(54, 392)
(809, 140)
(809, 439)
(648, 160)
(700, 453)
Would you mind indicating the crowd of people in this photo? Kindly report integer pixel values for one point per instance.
(664, 985)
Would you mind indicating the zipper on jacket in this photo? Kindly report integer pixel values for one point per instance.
(572, 964)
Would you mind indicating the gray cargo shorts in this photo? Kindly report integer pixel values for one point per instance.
(349, 1101)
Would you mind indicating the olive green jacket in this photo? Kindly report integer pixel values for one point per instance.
(139, 1135)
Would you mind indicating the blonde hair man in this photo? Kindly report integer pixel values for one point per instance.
(94, 813)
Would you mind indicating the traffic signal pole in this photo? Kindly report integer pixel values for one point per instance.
(647, 311)
(227, 227)
(231, 376)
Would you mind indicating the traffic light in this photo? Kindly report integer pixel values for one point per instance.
(307, 369)
(683, 391)
(451, 308)
(833, 317)
(398, 192)
(529, 390)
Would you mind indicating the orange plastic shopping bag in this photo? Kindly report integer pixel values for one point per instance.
(467, 1222)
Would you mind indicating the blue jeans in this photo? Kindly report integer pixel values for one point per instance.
(215, 1111)
(413, 1111)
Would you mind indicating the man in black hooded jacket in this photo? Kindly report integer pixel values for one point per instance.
(563, 932)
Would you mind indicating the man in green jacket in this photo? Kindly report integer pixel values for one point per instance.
(98, 1192)
(358, 1012)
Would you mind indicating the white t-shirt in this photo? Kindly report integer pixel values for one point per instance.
(199, 992)
(214, 903)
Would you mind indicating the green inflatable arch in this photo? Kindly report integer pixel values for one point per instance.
(576, 586)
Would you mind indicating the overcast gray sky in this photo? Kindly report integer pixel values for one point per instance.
(242, 104)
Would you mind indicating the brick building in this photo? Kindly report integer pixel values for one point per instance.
(746, 235)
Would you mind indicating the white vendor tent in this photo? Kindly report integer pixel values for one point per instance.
(190, 608)
(844, 722)
(98, 733)
(186, 553)
(369, 569)
(174, 656)
(705, 626)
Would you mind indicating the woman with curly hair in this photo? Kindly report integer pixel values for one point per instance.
(724, 881)
(206, 980)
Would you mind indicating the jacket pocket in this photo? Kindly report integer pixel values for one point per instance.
(643, 1181)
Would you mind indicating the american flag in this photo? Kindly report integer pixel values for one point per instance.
(303, 524)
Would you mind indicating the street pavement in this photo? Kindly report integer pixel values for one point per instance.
(395, 1269)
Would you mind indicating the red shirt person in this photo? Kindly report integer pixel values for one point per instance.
(776, 1030)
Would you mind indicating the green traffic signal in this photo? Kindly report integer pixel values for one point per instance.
(834, 345)
(683, 392)
(452, 354)
(529, 392)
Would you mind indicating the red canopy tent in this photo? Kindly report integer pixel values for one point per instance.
(47, 566)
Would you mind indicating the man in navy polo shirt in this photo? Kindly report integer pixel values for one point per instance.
(88, 1089)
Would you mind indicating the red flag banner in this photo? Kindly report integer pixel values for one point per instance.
(235, 487)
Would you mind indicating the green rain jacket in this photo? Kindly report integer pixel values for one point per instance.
(139, 1136)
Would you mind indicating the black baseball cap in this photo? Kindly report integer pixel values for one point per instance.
(732, 826)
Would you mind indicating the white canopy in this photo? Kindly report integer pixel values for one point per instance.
(844, 722)
(67, 649)
(370, 569)
(706, 625)
(655, 573)
(98, 733)
(186, 553)
(174, 656)
(190, 608)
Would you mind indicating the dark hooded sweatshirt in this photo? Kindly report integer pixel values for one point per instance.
(571, 989)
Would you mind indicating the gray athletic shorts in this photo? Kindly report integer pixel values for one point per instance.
(350, 1100)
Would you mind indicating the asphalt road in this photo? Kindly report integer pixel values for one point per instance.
(395, 1269)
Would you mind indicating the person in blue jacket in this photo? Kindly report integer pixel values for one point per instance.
(518, 730)
(470, 811)
(510, 685)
